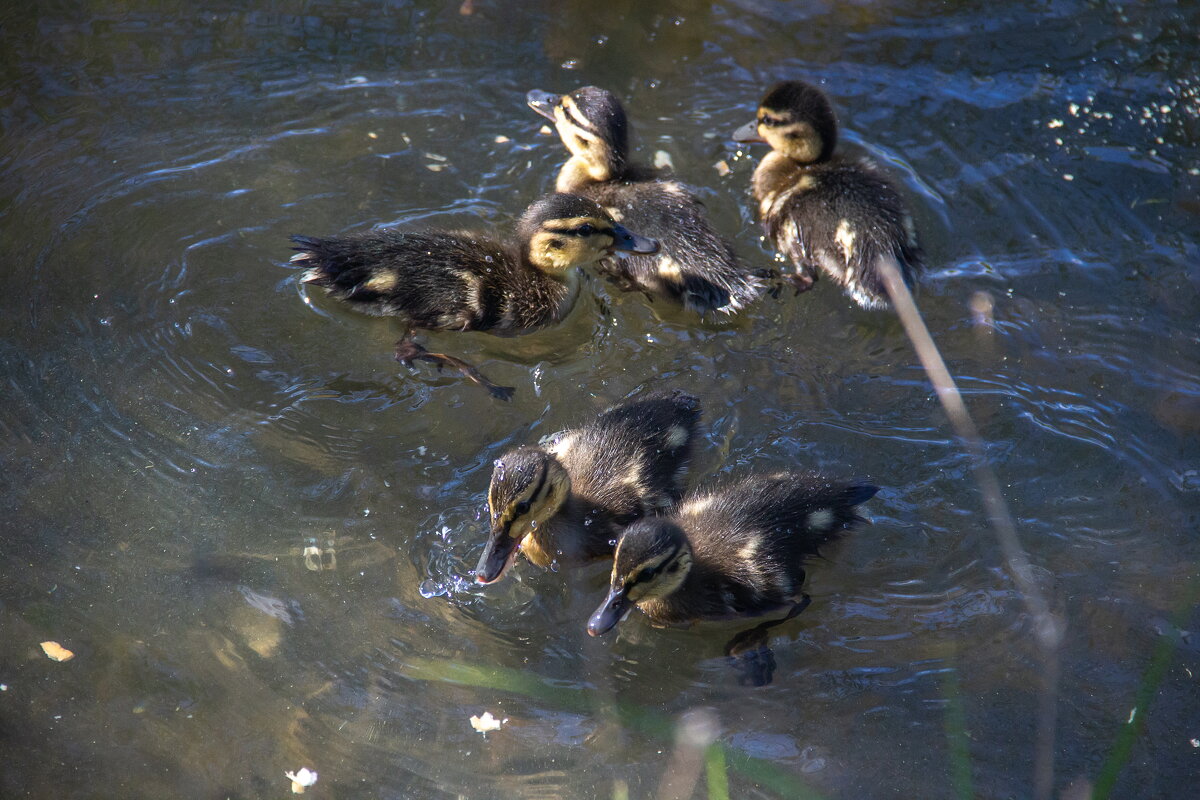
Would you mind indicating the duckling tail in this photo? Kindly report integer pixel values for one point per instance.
(309, 253)
(858, 493)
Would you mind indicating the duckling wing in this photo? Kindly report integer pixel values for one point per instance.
(438, 281)
(758, 533)
(843, 217)
(694, 266)
(632, 459)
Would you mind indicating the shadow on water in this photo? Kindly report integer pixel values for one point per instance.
(255, 530)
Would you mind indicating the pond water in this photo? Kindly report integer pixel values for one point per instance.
(178, 424)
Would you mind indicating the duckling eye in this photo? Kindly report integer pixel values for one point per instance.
(522, 508)
(586, 229)
(583, 142)
(644, 575)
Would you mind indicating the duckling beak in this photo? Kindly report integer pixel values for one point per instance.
(610, 612)
(498, 556)
(627, 242)
(543, 103)
(748, 133)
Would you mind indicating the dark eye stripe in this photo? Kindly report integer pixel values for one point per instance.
(576, 120)
(532, 496)
(586, 229)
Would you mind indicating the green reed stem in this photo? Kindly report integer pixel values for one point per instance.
(1164, 651)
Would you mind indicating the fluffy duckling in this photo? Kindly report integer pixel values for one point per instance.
(695, 266)
(837, 215)
(568, 501)
(736, 551)
(459, 281)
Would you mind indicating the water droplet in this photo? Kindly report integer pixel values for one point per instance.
(430, 588)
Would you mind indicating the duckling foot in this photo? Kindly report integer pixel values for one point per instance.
(750, 654)
(408, 351)
(801, 281)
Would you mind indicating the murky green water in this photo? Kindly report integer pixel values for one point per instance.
(178, 424)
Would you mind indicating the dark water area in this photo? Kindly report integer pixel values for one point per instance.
(179, 421)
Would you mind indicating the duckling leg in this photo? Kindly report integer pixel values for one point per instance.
(408, 351)
(803, 279)
(750, 653)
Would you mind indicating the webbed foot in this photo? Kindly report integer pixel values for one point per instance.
(408, 351)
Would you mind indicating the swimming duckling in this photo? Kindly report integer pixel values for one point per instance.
(839, 215)
(695, 266)
(465, 282)
(568, 501)
(736, 551)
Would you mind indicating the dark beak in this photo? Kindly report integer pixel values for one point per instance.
(497, 557)
(609, 613)
(543, 103)
(748, 133)
(627, 242)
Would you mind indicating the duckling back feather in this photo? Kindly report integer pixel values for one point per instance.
(435, 280)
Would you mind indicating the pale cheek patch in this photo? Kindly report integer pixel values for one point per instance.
(821, 519)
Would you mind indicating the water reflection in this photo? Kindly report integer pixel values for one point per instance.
(178, 425)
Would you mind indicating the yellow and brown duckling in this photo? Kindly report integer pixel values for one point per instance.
(735, 551)
(462, 281)
(567, 502)
(837, 215)
(695, 266)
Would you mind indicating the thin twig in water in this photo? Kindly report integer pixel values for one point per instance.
(1047, 627)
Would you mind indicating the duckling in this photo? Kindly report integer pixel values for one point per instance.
(695, 266)
(461, 281)
(568, 501)
(838, 215)
(736, 551)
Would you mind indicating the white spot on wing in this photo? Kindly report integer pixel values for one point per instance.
(634, 476)
(749, 550)
(669, 267)
(845, 237)
(381, 282)
(698, 505)
(821, 519)
(677, 435)
(560, 448)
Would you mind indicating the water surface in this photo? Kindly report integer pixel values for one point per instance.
(180, 421)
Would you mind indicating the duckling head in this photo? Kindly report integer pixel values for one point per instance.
(797, 120)
(591, 123)
(652, 560)
(529, 486)
(562, 231)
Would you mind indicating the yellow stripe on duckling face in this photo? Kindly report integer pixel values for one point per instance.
(582, 140)
(797, 140)
(570, 242)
